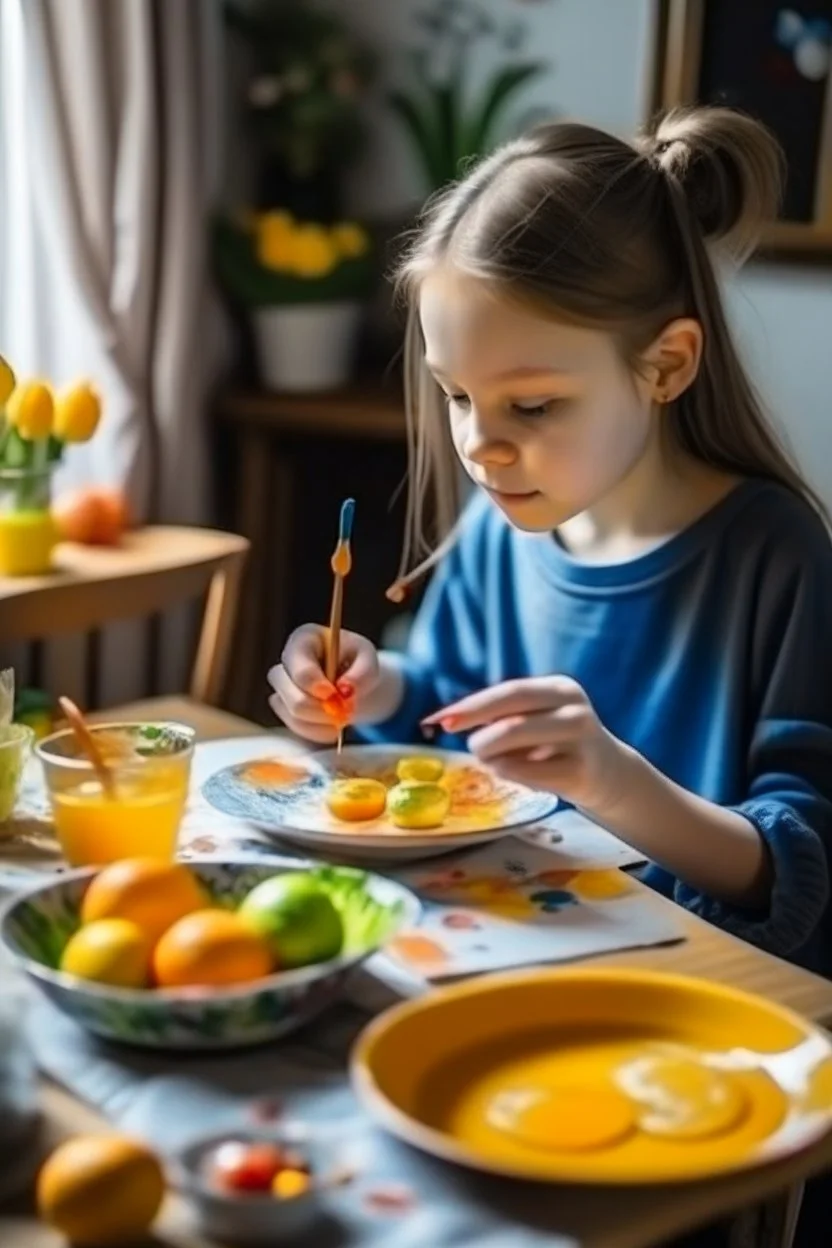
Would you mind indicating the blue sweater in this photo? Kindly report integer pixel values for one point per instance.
(711, 655)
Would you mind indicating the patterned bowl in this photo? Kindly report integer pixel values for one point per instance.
(35, 926)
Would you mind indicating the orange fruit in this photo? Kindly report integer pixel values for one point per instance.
(210, 948)
(100, 1189)
(113, 518)
(148, 891)
(109, 951)
(93, 516)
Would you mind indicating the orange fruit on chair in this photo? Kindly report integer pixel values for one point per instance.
(212, 948)
(100, 1189)
(150, 892)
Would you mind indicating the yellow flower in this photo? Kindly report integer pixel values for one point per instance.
(313, 252)
(350, 239)
(274, 232)
(7, 381)
(30, 410)
(77, 413)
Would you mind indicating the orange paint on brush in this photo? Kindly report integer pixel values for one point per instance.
(274, 773)
(339, 709)
(341, 561)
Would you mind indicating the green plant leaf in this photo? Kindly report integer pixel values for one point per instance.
(18, 452)
(448, 103)
(423, 133)
(480, 132)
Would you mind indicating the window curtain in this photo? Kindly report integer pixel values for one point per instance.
(109, 161)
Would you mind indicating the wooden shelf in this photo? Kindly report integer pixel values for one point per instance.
(360, 412)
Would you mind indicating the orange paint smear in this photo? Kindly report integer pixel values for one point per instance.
(474, 795)
(274, 773)
(412, 947)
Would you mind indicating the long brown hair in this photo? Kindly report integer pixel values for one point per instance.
(598, 232)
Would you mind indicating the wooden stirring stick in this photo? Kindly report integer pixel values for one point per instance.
(341, 564)
(89, 745)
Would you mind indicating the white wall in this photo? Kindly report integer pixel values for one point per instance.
(591, 45)
(783, 320)
(600, 53)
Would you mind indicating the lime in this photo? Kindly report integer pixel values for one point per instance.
(297, 918)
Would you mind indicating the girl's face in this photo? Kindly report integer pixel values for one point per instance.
(546, 417)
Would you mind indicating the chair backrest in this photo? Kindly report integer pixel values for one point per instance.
(154, 570)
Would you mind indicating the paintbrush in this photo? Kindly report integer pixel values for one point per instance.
(341, 564)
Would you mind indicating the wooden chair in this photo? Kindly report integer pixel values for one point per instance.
(153, 570)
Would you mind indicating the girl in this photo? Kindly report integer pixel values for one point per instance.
(635, 611)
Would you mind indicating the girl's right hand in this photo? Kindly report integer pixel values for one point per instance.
(301, 687)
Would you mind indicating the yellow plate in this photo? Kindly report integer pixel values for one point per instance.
(524, 1074)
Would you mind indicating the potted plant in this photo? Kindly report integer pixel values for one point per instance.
(448, 121)
(295, 265)
(35, 427)
(304, 285)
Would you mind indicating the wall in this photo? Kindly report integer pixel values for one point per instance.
(600, 50)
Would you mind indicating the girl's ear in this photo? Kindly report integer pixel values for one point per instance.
(672, 360)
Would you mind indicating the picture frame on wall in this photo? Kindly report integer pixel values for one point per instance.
(773, 61)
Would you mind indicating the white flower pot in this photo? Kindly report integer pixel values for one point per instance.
(307, 347)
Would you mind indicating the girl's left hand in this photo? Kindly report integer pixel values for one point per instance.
(544, 732)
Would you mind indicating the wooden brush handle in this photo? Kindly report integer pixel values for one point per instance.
(333, 641)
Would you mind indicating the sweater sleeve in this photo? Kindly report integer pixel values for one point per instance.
(445, 658)
(789, 793)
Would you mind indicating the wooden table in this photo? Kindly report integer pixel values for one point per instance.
(634, 1218)
(152, 570)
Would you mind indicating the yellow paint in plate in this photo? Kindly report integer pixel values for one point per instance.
(597, 1076)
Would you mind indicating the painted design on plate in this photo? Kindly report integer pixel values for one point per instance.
(285, 793)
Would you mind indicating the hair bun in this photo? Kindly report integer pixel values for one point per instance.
(729, 167)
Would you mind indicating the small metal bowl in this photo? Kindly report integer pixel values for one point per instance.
(253, 1217)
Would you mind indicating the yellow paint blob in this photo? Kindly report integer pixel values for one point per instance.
(357, 800)
(575, 1119)
(421, 767)
(418, 805)
(677, 1096)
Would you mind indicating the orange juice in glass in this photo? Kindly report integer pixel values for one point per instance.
(150, 765)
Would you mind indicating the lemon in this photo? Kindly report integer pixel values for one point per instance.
(420, 767)
(109, 951)
(418, 805)
(103, 1189)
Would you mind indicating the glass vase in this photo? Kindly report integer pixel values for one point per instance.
(27, 529)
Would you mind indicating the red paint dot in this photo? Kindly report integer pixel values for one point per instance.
(392, 1198)
(268, 1110)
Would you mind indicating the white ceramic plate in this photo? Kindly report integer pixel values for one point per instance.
(291, 804)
